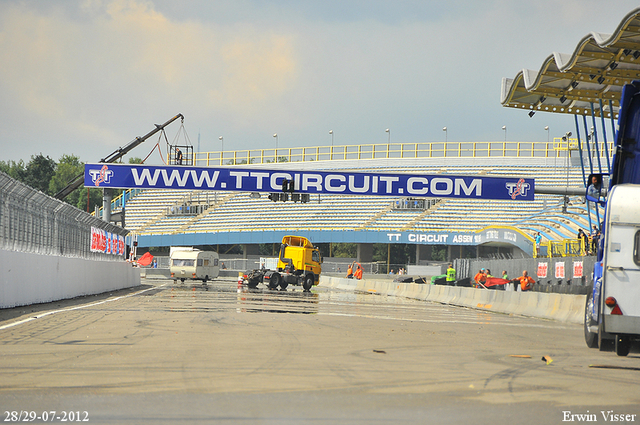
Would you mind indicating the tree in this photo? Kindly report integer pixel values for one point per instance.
(135, 160)
(39, 172)
(16, 170)
(69, 167)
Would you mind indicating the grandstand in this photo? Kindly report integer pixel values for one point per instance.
(171, 217)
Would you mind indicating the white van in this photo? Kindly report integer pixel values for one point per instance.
(190, 263)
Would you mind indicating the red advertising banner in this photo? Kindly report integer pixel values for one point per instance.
(577, 269)
(542, 270)
(560, 270)
(107, 242)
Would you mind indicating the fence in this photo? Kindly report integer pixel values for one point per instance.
(33, 222)
(555, 149)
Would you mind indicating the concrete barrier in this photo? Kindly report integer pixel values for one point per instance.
(561, 307)
(27, 278)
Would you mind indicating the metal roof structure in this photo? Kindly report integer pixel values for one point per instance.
(587, 81)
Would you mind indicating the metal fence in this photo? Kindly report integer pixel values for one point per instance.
(31, 221)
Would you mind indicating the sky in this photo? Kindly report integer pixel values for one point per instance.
(86, 77)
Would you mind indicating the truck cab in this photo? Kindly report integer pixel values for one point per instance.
(612, 310)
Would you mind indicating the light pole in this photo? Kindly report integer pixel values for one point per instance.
(221, 149)
(388, 141)
(275, 135)
(504, 127)
(331, 151)
(546, 127)
(445, 134)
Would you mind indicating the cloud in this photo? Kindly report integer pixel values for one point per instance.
(80, 74)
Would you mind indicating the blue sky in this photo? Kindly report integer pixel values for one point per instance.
(86, 77)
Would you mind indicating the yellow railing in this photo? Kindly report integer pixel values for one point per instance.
(562, 248)
(555, 149)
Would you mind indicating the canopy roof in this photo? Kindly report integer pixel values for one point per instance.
(592, 75)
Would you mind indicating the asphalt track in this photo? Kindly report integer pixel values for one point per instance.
(171, 353)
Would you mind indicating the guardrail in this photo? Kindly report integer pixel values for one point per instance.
(555, 149)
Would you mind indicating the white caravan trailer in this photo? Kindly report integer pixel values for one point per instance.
(190, 263)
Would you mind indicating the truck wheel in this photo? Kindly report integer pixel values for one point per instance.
(591, 338)
(274, 281)
(283, 284)
(622, 345)
(604, 344)
(308, 282)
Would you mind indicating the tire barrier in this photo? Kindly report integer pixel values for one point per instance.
(561, 307)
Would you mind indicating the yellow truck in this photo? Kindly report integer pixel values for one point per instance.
(299, 263)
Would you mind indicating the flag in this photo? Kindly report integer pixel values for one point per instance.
(146, 259)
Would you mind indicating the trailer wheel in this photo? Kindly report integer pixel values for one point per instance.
(623, 345)
(205, 279)
(182, 280)
(308, 282)
(591, 338)
(274, 281)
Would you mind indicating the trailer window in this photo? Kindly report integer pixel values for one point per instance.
(636, 248)
(177, 262)
(199, 262)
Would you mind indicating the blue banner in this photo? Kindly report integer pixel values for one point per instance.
(327, 182)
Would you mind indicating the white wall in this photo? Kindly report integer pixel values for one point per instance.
(27, 278)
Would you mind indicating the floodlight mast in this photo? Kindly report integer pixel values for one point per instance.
(114, 156)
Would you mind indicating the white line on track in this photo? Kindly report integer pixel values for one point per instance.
(62, 310)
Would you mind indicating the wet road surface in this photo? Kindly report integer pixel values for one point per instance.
(172, 353)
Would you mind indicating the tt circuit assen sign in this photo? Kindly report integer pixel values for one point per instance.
(312, 182)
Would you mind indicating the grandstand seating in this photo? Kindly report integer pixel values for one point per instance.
(149, 211)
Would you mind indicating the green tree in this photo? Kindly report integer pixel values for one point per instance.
(16, 170)
(39, 172)
(135, 160)
(345, 250)
(68, 169)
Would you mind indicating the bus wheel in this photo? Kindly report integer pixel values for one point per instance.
(622, 345)
(591, 338)
(308, 282)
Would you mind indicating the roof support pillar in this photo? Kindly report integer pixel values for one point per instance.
(604, 134)
(595, 137)
(586, 131)
(584, 179)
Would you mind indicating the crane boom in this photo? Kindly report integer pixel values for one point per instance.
(114, 156)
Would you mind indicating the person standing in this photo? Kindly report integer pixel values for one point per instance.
(538, 240)
(526, 281)
(178, 156)
(451, 275)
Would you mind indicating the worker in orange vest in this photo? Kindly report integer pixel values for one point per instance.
(350, 271)
(526, 281)
(358, 273)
